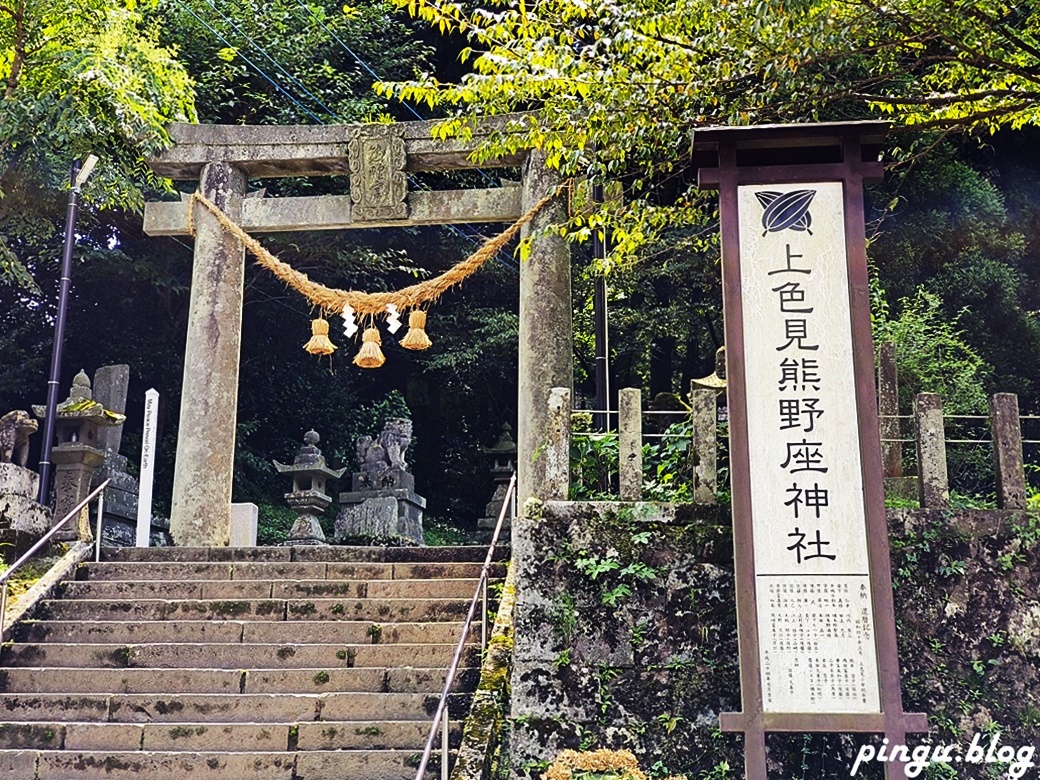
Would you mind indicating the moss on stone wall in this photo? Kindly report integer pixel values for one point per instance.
(626, 639)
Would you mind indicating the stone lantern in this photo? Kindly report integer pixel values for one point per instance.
(717, 383)
(79, 425)
(308, 497)
(503, 455)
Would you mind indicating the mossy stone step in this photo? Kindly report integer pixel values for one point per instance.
(274, 570)
(232, 656)
(231, 737)
(216, 708)
(203, 680)
(228, 632)
(269, 589)
(338, 553)
(381, 610)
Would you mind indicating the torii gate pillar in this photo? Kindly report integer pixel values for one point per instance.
(546, 335)
(201, 510)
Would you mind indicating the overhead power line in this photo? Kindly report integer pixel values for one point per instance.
(473, 237)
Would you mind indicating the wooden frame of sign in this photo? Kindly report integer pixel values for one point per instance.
(814, 586)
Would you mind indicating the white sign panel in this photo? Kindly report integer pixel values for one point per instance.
(815, 621)
(144, 496)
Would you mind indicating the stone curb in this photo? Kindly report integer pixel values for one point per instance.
(484, 722)
(28, 601)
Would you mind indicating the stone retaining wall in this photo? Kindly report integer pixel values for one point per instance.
(626, 636)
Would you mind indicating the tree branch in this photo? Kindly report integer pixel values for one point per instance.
(18, 60)
(1001, 28)
(948, 100)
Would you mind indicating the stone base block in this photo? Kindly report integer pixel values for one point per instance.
(119, 527)
(306, 530)
(22, 520)
(378, 515)
(18, 481)
(904, 488)
(386, 479)
(119, 531)
(243, 525)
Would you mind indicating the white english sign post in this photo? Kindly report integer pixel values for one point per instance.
(144, 496)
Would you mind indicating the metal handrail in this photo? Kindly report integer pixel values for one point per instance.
(480, 594)
(43, 540)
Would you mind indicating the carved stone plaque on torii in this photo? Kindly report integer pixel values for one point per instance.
(378, 159)
(815, 618)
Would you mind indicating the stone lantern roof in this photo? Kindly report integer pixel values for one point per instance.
(717, 380)
(505, 444)
(309, 461)
(80, 405)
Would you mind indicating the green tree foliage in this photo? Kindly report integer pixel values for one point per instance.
(611, 92)
(950, 231)
(87, 76)
(665, 312)
(932, 355)
(645, 67)
(80, 77)
(615, 88)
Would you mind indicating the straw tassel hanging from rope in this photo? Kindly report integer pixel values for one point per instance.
(319, 343)
(370, 356)
(416, 337)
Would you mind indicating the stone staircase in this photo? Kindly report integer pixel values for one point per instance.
(306, 663)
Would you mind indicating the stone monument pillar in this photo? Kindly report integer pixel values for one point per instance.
(110, 386)
(308, 496)
(383, 504)
(79, 423)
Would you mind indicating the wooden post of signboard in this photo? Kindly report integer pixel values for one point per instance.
(814, 589)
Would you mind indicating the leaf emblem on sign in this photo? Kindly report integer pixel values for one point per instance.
(785, 210)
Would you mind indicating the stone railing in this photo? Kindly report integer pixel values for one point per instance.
(631, 433)
(931, 435)
(931, 441)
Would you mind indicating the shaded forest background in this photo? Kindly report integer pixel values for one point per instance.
(954, 245)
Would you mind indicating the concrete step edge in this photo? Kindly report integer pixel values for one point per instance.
(216, 765)
(234, 656)
(397, 723)
(430, 610)
(259, 645)
(231, 737)
(289, 580)
(231, 682)
(258, 670)
(274, 708)
(376, 632)
(332, 554)
(284, 570)
(323, 600)
(253, 624)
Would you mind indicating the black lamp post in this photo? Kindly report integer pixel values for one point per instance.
(600, 325)
(78, 176)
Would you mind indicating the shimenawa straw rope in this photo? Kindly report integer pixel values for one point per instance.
(333, 300)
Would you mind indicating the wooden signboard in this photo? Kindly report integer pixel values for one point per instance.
(814, 591)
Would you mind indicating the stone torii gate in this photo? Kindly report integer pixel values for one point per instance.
(377, 158)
